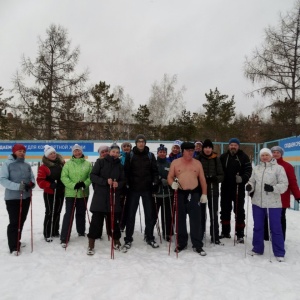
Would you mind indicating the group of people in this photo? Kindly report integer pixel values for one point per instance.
(184, 182)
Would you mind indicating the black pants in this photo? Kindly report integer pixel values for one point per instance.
(166, 213)
(134, 199)
(231, 200)
(80, 208)
(13, 209)
(188, 202)
(97, 224)
(48, 199)
(283, 225)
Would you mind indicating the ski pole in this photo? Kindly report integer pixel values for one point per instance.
(205, 207)
(52, 217)
(164, 214)
(86, 208)
(236, 213)
(71, 220)
(108, 230)
(246, 236)
(140, 218)
(31, 226)
(19, 223)
(123, 209)
(213, 213)
(157, 222)
(112, 255)
(176, 203)
(269, 230)
(172, 219)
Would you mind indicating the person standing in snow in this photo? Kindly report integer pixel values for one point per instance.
(108, 178)
(17, 177)
(237, 171)
(189, 172)
(267, 182)
(293, 188)
(198, 148)
(48, 179)
(214, 174)
(75, 176)
(142, 176)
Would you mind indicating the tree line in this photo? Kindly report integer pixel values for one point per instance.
(57, 104)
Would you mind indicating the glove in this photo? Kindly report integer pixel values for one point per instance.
(77, 185)
(82, 184)
(175, 185)
(53, 185)
(164, 182)
(22, 187)
(29, 186)
(268, 188)
(248, 187)
(238, 179)
(203, 198)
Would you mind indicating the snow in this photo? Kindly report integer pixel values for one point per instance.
(51, 272)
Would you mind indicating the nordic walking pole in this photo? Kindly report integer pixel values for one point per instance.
(112, 207)
(236, 212)
(140, 218)
(270, 238)
(108, 230)
(248, 200)
(19, 223)
(205, 222)
(31, 227)
(123, 209)
(172, 220)
(71, 221)
(164, 208)
(157, 222)
(213, 213)
(52, 217)
(86, 208)
(176, 203)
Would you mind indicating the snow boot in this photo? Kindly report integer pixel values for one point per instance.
(199, 251)
(180, 248)
(117, 244)
(153, 244)
(280, 259)
(91, 247)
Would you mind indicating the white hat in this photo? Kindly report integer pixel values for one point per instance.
(76, 147)
(177, 143)
(48, 150)
(265, 150)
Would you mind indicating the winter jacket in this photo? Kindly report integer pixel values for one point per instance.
(75, 170)
(163, 167)
(141, 170)
(49, 172)
(173, 156)
(293, 187)
(122, 157)
(270, 173)
(238, 164)
(106, 168)
(12, 173)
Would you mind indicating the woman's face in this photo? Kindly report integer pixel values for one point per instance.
(265, 157)
(52, 156)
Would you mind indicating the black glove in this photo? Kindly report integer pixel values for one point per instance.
(53, 185)
(268, 188)
(22, 187)
(77, 185)
(82, 184)
(248, 187)
(29, 186)
(155, 188)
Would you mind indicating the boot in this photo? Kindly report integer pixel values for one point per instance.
(91, 250)
(117, 244)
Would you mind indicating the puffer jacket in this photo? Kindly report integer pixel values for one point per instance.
(12, 173)
(75, 170)
(270, 173)
(163, 166)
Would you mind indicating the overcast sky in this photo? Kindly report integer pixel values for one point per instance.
(133, 43)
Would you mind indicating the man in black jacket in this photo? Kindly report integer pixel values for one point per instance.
(142, 175)
(237, 171)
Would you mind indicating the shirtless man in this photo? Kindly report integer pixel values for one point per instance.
(189, 172)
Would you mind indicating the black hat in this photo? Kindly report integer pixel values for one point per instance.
(114, 146)
(187, 145)
(162, 148)
(140, 137)
(208, 143)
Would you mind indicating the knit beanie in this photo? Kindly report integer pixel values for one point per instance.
(277, 148)
(114, 146)
(199, 142)
(265, 150)
(234, 140)
(103, 148)
(140, 137)
(76, 147)
(187, 145)
(208, 144)
(162, 148)
(17, 147)
(177, 143)
(48, 150)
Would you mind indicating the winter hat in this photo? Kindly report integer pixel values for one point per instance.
(277, 148)
(140, 137)
(114, 146)
(198, 142)
(265, 150)
(208, 144)
(234, 140)
(187, 145)
(76, 147)
(103, 148)
(17, 147)
(162, 148)
(177, 143)
(48, 150)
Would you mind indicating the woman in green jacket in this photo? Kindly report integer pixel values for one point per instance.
(76, 178)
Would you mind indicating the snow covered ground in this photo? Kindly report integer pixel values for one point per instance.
(50, 272)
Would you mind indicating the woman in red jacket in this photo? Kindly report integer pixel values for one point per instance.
(293, 187)
(48, 179)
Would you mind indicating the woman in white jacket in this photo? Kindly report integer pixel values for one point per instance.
(268, 181)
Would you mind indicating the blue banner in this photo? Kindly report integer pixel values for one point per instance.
(292, 144)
